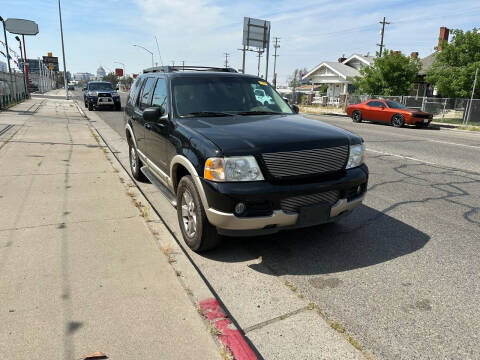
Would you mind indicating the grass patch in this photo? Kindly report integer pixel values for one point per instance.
(213, 330)
(290, 286)
(225, 353)
(336, 326)
(469, 128)
(355, 343)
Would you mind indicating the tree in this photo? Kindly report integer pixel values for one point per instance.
(126, 81)
(453, 70)
(111, 78)
(393, 74)
(60, 81)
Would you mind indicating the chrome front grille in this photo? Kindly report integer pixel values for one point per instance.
(292, 204)
(306, 162)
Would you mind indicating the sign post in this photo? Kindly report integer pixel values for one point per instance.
(256, 33)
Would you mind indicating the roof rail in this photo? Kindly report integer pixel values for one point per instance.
(169, 69)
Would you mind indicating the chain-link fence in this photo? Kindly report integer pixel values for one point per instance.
(11, 91)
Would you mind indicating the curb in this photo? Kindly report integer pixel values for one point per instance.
(201, 293)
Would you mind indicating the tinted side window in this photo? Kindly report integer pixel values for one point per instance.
(146, 95)
(375, 103)
(160, 94)
(132, 96)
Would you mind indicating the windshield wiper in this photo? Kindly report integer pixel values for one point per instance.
(206, 114)
(259, 113)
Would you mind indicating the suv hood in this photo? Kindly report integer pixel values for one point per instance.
(250, 135)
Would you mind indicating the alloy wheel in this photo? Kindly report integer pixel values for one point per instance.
(189, 216)
(133, 158)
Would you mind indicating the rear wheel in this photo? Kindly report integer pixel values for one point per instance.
(197, 232)
(90, 106)
(398, 120)
(357, 116)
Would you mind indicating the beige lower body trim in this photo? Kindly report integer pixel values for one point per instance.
(229, 221)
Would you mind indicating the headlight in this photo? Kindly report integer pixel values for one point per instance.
(356, 156)
(241, 168)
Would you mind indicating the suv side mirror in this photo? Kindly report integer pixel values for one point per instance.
(116, 88)
(152, 114)
(295, 108)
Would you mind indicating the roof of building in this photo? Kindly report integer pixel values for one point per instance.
(426, 63)
(367, 59)
(340, 68)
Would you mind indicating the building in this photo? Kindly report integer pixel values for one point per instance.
(85, 76)
(338, 75)
(100, 73)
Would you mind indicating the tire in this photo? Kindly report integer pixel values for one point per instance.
(90, 106)
(135, 163)
(197, 232)
(86, 105)
(357, 116)
(398, 120)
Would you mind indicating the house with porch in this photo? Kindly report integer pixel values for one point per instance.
(337, 75)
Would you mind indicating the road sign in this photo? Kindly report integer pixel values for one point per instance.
(256, 33)
(21, 26)
(51, 61)
(119, 72)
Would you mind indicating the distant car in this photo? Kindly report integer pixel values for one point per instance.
(71, 87)
(99, 94)
(390, 112)
(263, 98)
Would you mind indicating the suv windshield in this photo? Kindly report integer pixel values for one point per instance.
(224, 96)
(100, 86)
(395, 105)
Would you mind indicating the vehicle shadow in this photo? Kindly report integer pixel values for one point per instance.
(367, 237)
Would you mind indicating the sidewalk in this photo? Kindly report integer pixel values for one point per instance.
(80, 271)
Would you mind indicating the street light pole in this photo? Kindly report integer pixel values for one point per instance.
(13, 88)
(63, 52)
(23, 65)
(151, 53)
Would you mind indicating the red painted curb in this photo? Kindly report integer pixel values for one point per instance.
(230, 336)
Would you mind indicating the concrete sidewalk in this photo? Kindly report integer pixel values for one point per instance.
(80, 271)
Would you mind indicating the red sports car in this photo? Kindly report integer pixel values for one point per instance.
(391, 112)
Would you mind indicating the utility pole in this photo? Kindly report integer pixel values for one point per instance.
(260, 53)
(276, 46)
(65, 80)
(226, 59)
(382, 33)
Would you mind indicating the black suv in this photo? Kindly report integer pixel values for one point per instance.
(99, 94)
(233, 165)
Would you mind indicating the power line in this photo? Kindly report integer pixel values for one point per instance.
(382, 33)
(276, 46)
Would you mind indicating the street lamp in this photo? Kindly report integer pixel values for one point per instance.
(151, 53)
(23, 64)
(8, 61)
(65, 80)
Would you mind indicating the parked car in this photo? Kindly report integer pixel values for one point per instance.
(71, 87)
(262, 97)
(390, 112)
(99, 94)
(233, 165)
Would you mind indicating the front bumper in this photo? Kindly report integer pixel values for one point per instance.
(222, 197)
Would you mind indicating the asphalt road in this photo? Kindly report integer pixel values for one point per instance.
(401, 273)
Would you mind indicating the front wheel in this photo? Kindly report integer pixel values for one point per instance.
(357, 116)
(398, 120)
(197, 232)
(90, 106)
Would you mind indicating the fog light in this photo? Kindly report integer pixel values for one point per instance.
(240, 208)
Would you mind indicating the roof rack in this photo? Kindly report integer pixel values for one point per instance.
(169, 69)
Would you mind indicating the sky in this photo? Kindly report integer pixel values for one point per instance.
(199, 32)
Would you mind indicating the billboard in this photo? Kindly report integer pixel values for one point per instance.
(119, 72)
(256, 33)
(21, 26)
(51, 62)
